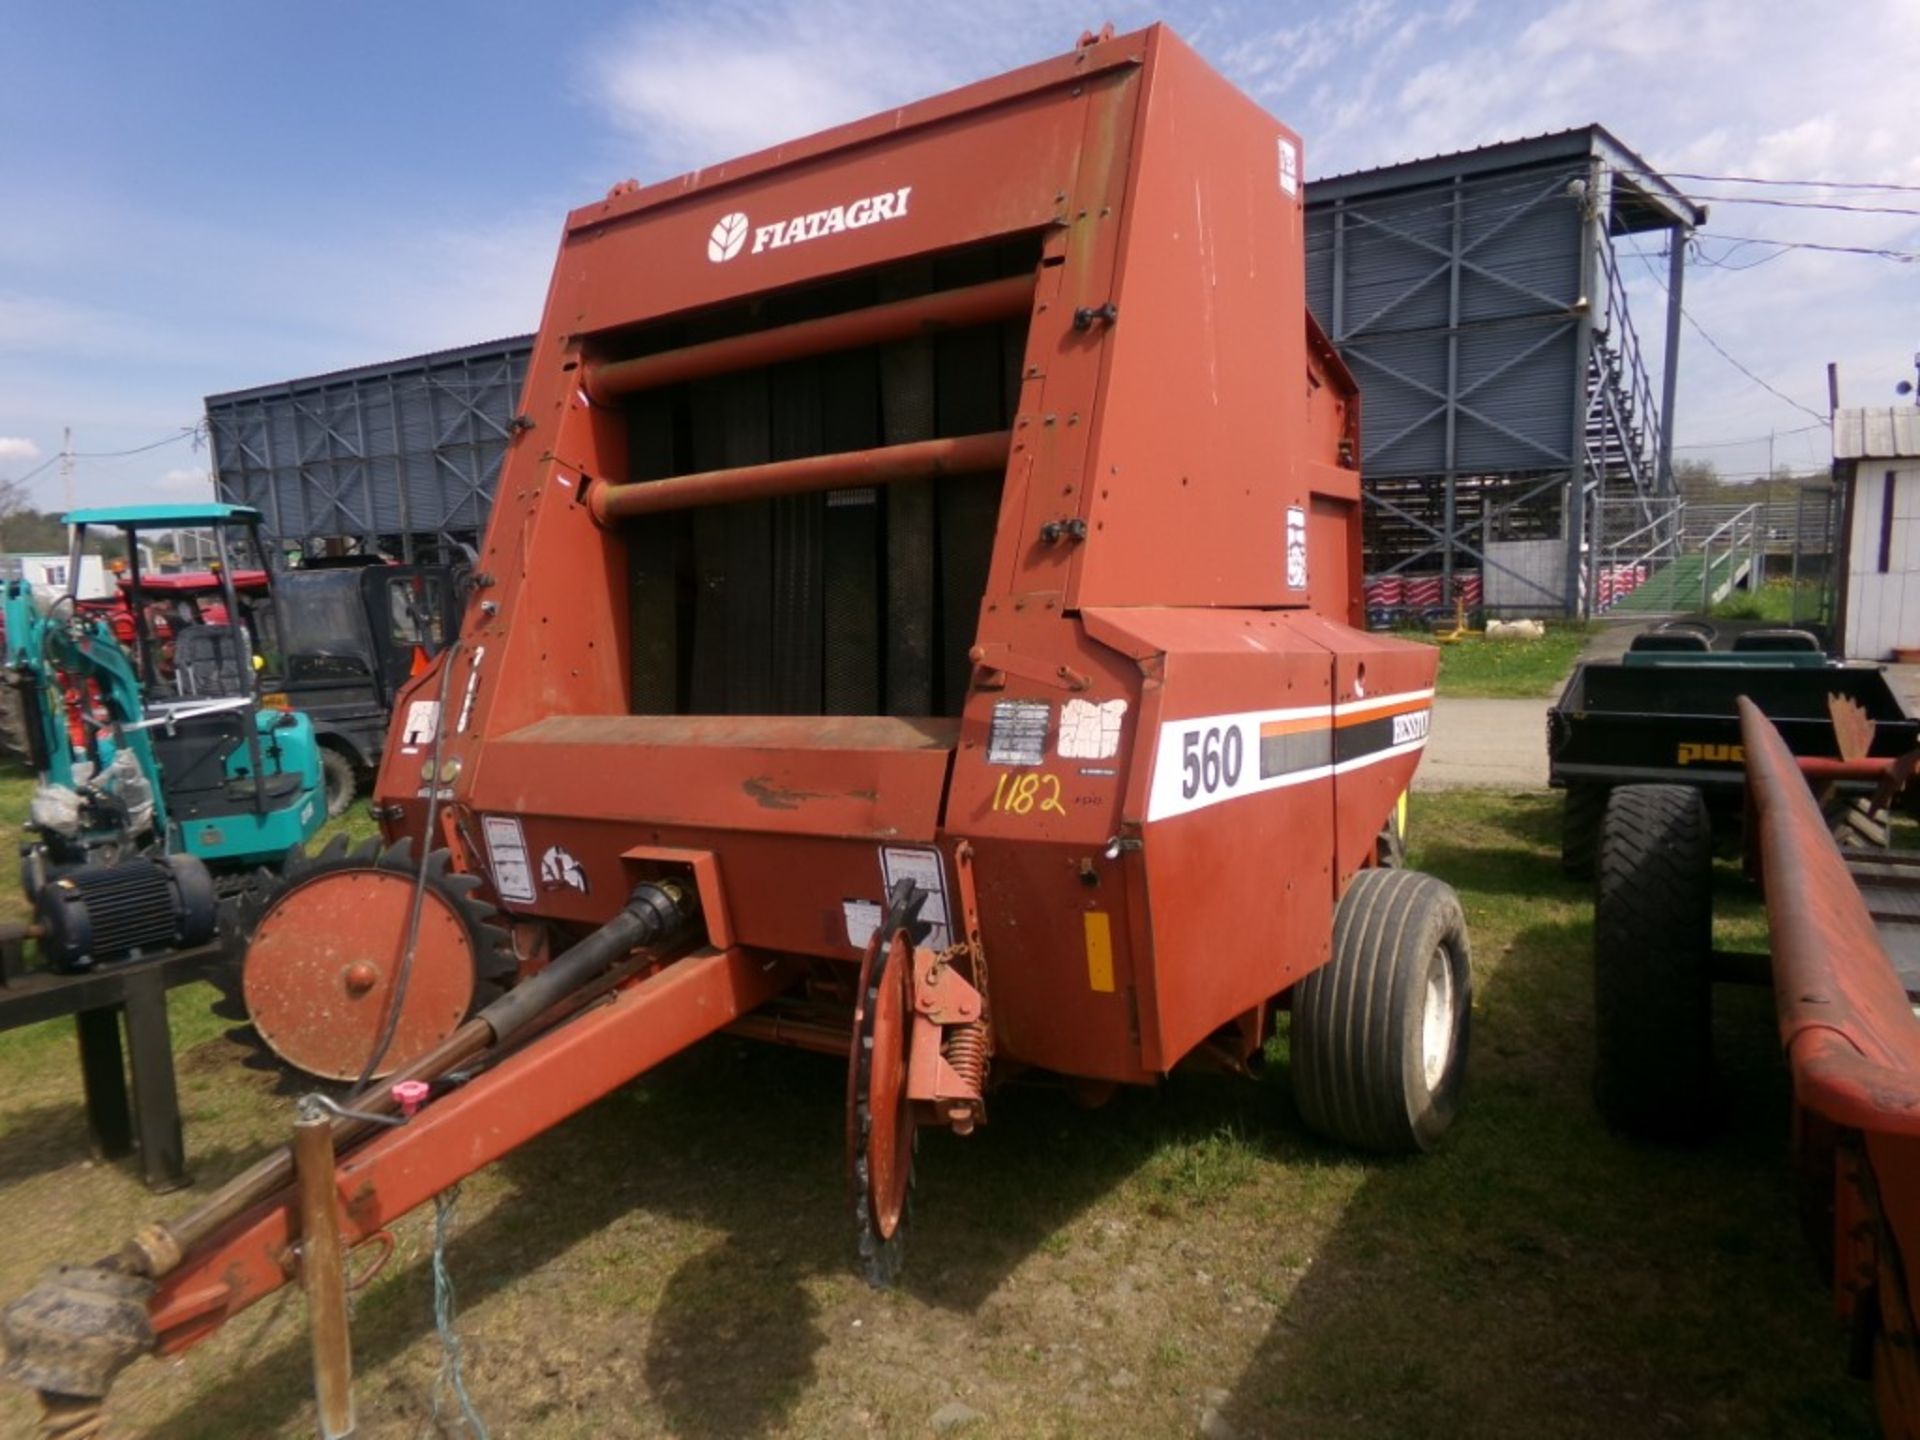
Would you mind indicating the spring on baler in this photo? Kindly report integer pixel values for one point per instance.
(965, 1049)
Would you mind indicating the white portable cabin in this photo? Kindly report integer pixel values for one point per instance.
(1876, 462)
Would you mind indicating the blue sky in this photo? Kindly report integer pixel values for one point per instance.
(203, 197)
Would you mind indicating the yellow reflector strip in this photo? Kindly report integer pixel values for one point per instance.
(1099, 951)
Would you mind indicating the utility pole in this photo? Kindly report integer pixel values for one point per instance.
(66, 463)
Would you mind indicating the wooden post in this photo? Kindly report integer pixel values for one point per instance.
(323, 1271)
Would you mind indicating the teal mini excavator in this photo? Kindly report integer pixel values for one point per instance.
(164, 782)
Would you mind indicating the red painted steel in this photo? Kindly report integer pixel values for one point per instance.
(917, 460)
(876, 325)
(1848, 1027)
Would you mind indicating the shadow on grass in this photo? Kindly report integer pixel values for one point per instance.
(1538, 1276)
(45, 1137)
(747, 1140)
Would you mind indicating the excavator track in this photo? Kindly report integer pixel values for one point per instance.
(317, 955)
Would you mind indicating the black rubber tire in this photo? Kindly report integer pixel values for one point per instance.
(1359, 1075)
(339, 779)
(1652, 979)
(1580, 815)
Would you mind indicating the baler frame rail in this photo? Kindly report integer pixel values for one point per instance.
(1848, 1027)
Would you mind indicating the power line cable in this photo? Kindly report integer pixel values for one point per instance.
(46, 464)
(1887, 185)
(1905, 257)
(1720, 349)
(188, 432)
(1801, 204)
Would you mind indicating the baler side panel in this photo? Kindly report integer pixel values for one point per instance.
(1383, 715)
(1236, 865)
(1198, 441)
(1039, 817)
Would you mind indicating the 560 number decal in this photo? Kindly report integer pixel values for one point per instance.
(1210, 760)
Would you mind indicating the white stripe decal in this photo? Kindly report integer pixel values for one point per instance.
(1208, 759)
(1380, 702)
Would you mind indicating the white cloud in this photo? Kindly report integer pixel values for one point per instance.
(186, 484)
(15, 449)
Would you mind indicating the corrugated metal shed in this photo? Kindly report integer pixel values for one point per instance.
(400, 457)
(1890, 433)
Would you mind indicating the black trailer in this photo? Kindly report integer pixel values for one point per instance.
(1666, 714)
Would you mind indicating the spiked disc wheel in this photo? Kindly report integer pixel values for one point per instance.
(323, 958)
(881, 1130)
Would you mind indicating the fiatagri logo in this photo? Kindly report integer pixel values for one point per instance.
(729, 234)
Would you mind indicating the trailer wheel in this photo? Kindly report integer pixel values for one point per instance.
(1380, 1030)
(1652, 987)
(1580, 829)
(339, 778)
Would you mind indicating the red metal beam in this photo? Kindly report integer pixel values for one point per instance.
(920, 460)
(1844, 1016)
(1822, 769)
(876, 325)
(468, 1129)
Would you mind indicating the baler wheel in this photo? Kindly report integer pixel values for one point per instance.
(1652, 977)
(882, 1132)
(1380, 1030)
(317, 960)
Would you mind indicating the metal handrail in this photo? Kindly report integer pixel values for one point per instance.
(1741, 529)
(1666, 529)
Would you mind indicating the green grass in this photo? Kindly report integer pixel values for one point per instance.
(673, 1261)
(1476, 666)
(1774, 600)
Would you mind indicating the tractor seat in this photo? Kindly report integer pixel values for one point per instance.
(1667, 642)
(1791, 641)
(209, 661)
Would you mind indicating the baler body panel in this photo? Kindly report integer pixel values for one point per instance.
(814, 686)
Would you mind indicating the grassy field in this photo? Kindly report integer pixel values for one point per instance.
(673, 1261)
(1774, 600)
(1475, 666)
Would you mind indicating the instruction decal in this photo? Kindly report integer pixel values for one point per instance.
(1090, 729)
(863, 918)
(507, 858)
(1296, 547)
(423, 722)
(927, 870)
(1019, 733)
(1289, 167)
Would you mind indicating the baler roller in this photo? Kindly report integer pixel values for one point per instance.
(886, 465)
(908, 319)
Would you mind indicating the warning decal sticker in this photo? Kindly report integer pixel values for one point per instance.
(1019, 734)
(929, 872)
(507, 856)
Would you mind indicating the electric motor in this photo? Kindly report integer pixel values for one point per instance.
(115, 912)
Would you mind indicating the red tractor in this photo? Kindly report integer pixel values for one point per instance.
(921, 621)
